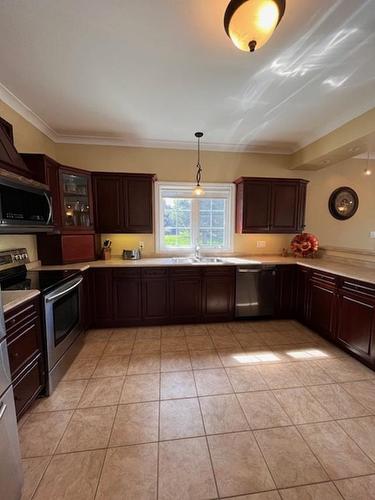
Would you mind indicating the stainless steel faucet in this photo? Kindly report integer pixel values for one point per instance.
(197, 253)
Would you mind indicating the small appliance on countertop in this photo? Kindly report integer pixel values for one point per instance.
(134, 254)
(61, 293)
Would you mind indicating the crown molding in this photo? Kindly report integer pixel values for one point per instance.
(256, 148)
(28, 114)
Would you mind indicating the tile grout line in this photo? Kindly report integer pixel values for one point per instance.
(205, 432)
(110, 434)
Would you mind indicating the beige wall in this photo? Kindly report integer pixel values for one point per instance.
(353, 233)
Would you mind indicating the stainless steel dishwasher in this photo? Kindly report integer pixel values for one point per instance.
(255, 291)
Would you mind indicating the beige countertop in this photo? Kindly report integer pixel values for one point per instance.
(14, 298)
(363, 273)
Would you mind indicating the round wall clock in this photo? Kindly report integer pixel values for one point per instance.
(343, 203)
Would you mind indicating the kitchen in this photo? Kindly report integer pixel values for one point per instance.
(181, 308)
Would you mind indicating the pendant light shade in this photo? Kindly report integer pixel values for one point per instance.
(198, 190)
(251, 23)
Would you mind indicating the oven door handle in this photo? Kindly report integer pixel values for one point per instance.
(64, 292)
(49, 220)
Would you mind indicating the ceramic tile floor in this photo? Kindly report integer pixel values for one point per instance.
(251, 410)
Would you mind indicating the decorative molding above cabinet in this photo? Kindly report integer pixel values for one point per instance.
(270, 205)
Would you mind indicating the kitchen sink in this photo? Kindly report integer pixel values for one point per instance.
(197, 260)
(208, 260)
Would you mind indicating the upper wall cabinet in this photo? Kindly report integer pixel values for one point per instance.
(123, 202)
(74, 236)
(268, 205)
(71, 193)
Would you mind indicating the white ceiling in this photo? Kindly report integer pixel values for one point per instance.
(152, 72)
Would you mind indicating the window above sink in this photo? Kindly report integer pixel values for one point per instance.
(184, 221)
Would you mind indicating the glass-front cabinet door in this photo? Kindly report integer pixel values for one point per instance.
(76, 201)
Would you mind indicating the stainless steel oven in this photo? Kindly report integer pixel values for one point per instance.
(63, 326)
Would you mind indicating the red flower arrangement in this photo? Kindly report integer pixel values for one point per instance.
(304, 245)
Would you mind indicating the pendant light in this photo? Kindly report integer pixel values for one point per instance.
(251, 23)
(367, 171)
(198, 190)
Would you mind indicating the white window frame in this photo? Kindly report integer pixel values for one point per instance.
(185, 189)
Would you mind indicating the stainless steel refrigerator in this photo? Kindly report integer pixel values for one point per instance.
(11, 476)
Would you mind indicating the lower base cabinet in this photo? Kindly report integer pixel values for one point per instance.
(25, 350)
(356, 320)
(341, 310)
(286, 291)
(126, 289)
(322, 308)
(151, 296)
(185, 295)
(219, 294)
(155, 296)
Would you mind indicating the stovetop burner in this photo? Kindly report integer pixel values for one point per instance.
(15, 276)
(36, 280)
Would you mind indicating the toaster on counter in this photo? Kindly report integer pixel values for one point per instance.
(131, 254)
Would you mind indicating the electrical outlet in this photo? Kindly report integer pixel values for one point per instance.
(141, 245)
(261, 244)
(372, 234)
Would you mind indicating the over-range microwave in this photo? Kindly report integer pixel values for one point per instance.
(24, 208)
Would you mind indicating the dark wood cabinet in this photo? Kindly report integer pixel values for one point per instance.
(101, 297)
(24, 341)
(161, 295)
(253, 201)
(356, 319)
(322, 302)
(109, 203)
(285, 295)
(185, 295)
(127, 297)
(123, 202)
(86, 297)
(138, 196)
(301, 296)
(218, 293)
(74, 237)
(155, 295)
(269, 205)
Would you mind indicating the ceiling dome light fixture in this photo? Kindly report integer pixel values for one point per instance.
(251, 23)
(198, 190)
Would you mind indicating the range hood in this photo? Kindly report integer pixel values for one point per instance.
(25, 205)
(10, 160)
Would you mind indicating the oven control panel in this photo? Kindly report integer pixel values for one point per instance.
(13, 258)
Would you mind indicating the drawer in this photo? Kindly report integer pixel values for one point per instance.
(28, 386)
(127, 273)
(193, 272)
(320, 276)
(219, 271)
(18, 317)
(23, 346)
(154, 272)
(359, 287)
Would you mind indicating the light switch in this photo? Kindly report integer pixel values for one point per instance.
(372, 234)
